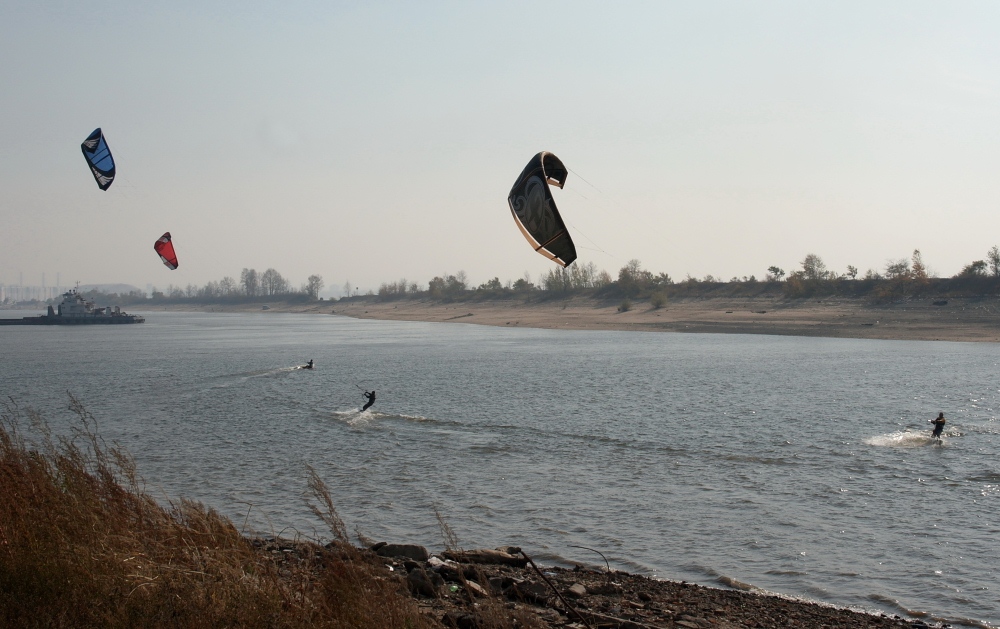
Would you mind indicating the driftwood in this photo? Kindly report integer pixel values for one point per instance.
(485, 556)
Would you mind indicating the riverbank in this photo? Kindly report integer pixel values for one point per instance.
(503, 587)
(957, 319)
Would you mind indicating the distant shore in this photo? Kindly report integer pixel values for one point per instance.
(960, 319)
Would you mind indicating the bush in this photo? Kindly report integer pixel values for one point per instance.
(658, 300)
(625, 306)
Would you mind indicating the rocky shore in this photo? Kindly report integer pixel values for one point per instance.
(503, 587)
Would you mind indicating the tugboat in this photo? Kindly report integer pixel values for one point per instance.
(75, 310)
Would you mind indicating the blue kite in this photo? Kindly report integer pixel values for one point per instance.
(98, 156)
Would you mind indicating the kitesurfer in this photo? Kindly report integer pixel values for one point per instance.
(939, 423)
(371, 400)
(309, 365)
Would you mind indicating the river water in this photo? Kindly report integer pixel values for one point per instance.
(799, 466)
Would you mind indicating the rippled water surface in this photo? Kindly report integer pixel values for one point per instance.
(795, 465)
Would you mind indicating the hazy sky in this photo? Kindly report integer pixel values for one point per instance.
(373, 142)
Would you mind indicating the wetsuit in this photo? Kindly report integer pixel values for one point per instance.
(938, 426)
(371, 400)
(310, 365)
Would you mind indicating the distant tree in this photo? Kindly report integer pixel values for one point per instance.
(227, 286)
(250, 282)
(523, 284)
(603, 279)
(583, 275)
(918, 270)
(897, 269)
(813, 268)
(190, 290)
(435, 288)
(211, 289)
(974, 269)
(491, 285)
(993, 257)
(774, 274)
(557, 280)
(632, 278)
(272, 283)
(457, 283)
(661, 280)
(711, 279)
(852, 272)
(347, 288)
(450, 286)
(872, 274)
(313, 285)
(396, 289)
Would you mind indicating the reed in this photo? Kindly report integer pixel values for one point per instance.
(83, 544)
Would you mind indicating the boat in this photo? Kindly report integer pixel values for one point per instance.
(75, 310)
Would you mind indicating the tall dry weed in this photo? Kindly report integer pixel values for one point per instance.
(82, 544)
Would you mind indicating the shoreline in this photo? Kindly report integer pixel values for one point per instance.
(959, 320)
(465, 588)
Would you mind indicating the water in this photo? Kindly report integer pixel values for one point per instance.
(796, 465)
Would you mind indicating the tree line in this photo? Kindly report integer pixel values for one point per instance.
(251, 285)
(901, 277)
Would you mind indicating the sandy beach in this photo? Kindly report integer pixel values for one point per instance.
(962, 319)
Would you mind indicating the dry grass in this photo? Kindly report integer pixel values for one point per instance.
(82, 544)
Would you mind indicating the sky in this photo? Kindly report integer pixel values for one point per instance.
(371, 142)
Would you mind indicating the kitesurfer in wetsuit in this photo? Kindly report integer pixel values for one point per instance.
(939, 423)
(310, 365)
(371, 400)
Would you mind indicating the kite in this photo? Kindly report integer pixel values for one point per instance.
(535, 212)
(98, 156)
(165, 248)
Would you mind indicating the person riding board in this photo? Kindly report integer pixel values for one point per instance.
(939, 423)
(309, 365)
(371, 400)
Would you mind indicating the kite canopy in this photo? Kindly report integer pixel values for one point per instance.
(165, 248)
(535, 212)
(98, 156)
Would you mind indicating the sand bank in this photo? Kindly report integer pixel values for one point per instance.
(970, 320)
(959, 320)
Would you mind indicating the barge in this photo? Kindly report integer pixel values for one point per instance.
(75, 310)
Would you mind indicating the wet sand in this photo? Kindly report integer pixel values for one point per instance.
(964, 319)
